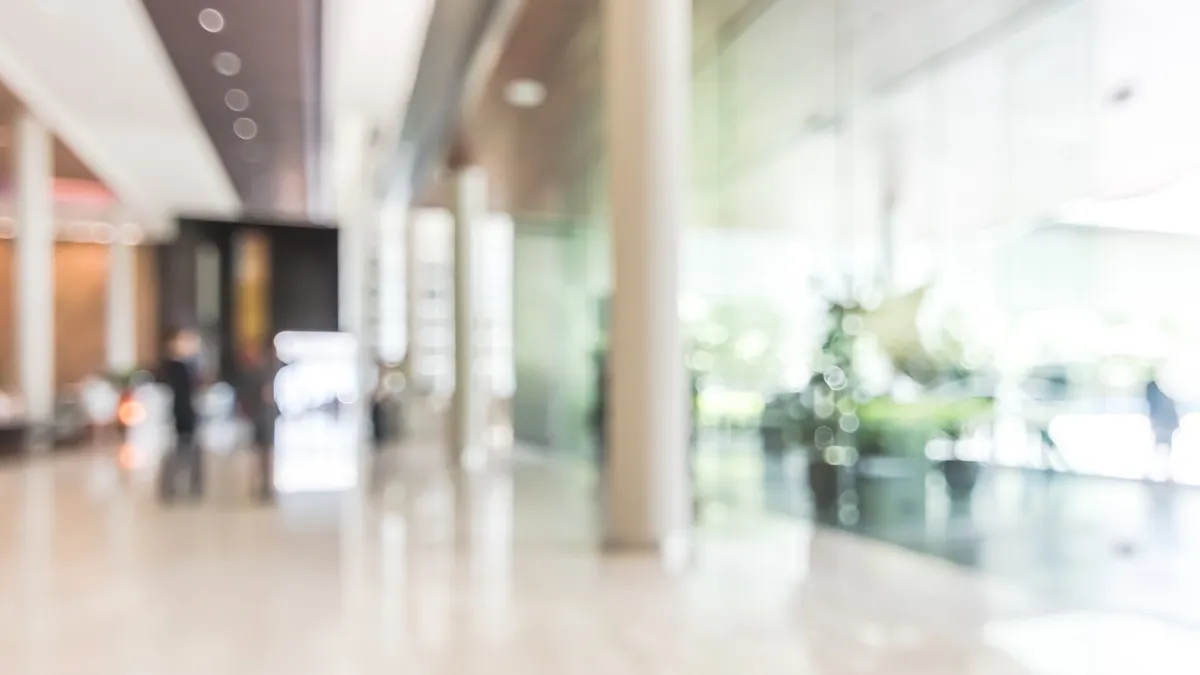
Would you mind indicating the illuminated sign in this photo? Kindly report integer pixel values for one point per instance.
(319, 370)
(315, 441)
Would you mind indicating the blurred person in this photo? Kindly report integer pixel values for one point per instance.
(178, 372)
(256, 400)
(599, 423)
(599, 413)
(1164, 420)
(598, 417)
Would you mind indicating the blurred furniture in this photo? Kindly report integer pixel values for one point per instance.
(12, 437)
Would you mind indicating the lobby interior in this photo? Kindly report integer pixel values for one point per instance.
(613, 336)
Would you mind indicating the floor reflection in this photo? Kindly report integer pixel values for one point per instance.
(1085, 543)
(429, 571)
(317, 451)
(1097, 644)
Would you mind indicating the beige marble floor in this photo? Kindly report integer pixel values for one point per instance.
(498, 573)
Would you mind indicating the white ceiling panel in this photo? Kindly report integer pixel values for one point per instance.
(96, 72)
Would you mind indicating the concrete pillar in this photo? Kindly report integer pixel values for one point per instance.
(648, 75)
(392, 297)
(354, 214)
(34, 165)
(121, 310)
(412, 289)
(358, 220)
(470, 208)
(351, 281)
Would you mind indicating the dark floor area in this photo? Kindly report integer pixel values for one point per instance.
(1079, 542)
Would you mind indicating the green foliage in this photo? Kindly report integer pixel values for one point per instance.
(901, 428)
(878, 425)
(120, 379)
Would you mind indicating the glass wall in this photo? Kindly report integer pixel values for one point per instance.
(560, 282)
(998, 194)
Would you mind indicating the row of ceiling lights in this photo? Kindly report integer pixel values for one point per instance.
(229, 64)
(86, 231)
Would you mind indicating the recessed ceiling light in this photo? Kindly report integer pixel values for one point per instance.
(245, 128)
(227, 63)
(211, 20)
(76, 230)
(102, 233)
(525, 93)
(131, 234)
(237, 100)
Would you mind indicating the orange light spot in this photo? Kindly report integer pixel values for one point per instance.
(131, 413)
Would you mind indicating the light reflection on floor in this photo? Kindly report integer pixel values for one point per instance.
(1097, 644)
(316, 452)
(501, 572)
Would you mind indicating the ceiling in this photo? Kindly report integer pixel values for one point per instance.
(133, 89)
(274, 158)
(66, 164)
(528, 151)
(456, 30)
(998, 100)
(96, 72)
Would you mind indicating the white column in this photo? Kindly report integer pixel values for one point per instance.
(470, 208)
(648, 72)
(351, 277)
(357, 220)
(353, 211)
(392, 297)
(121, 315)
(413, 289)
(35, 266)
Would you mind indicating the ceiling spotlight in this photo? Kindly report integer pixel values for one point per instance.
(131, 234)
(102, 233)
(245, 128)
(211, 20)
(77, 231)
(525, 93)
(227, 63)
(237, 100)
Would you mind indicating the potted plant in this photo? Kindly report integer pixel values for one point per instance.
(956, 418)
(830, 422)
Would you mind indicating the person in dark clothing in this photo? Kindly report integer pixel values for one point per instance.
(178, 373)
(381, 431)
(1164, 419)
(599, 414)
(256, 399)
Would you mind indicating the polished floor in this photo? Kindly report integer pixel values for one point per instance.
(1080, 543)
(418, 571)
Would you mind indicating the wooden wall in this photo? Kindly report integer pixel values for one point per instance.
(8, 327)
(146, 306)
(80, 301)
